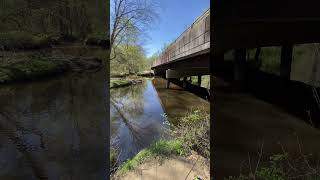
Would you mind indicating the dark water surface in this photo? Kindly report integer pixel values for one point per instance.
(54, 129)
(140, 114)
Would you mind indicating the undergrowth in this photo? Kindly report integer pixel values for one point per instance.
(161, 148)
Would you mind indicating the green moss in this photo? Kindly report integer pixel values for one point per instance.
(160, 148)
(31, 69)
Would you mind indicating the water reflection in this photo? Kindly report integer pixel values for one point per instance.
(136, 118)
(137, 114)
(54, 129)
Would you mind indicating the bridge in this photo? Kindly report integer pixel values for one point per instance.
(189, 54)
(245, 27)
(242, 30)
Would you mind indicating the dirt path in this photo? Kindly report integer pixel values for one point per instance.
(175, 168)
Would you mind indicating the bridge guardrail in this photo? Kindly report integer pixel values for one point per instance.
(194, 39)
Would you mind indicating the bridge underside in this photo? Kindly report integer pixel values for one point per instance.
(246, 24)
(190, 66)
(265, 33)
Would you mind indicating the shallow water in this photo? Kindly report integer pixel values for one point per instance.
(54, 128)
(140, 114)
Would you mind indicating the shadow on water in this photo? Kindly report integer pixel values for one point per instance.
(54, 129)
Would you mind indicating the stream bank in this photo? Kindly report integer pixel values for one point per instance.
(149, 115)
(27, 65)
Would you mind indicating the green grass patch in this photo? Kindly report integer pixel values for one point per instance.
(119, 83)
(161, 148)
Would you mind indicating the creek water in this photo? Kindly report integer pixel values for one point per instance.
(140, 114)
(54, 128)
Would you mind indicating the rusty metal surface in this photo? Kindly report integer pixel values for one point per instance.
(193, 40)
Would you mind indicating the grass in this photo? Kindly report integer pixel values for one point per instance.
(119, 83)
(31, 69)
(192, 133)
(161, 148)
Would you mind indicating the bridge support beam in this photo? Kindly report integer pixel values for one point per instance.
(184, 82)
(168, 83)
(199, 80)
(286, 60)
(171, 74)
(239, 68)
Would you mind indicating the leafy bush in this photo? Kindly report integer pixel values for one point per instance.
(194, 131)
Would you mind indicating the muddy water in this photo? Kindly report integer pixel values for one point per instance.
(140, 114)
(54, 128)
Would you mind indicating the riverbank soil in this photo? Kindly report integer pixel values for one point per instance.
(177, 168)
(244, 124)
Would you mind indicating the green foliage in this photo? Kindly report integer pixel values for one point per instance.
(270, 58)
(31, 69)
(282, 167)
(194, 131)
(66, 18)
(274, 171)
(98, 39)
(119, 83)
(161, 148)
(129, 59)
(15, 40)
(205, 81)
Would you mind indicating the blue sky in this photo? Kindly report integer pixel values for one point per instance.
(174, 17)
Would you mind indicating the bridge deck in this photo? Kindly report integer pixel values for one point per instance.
(193, 40)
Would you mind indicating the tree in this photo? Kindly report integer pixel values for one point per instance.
(60, 17)
(129, 19)
(130, 59)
